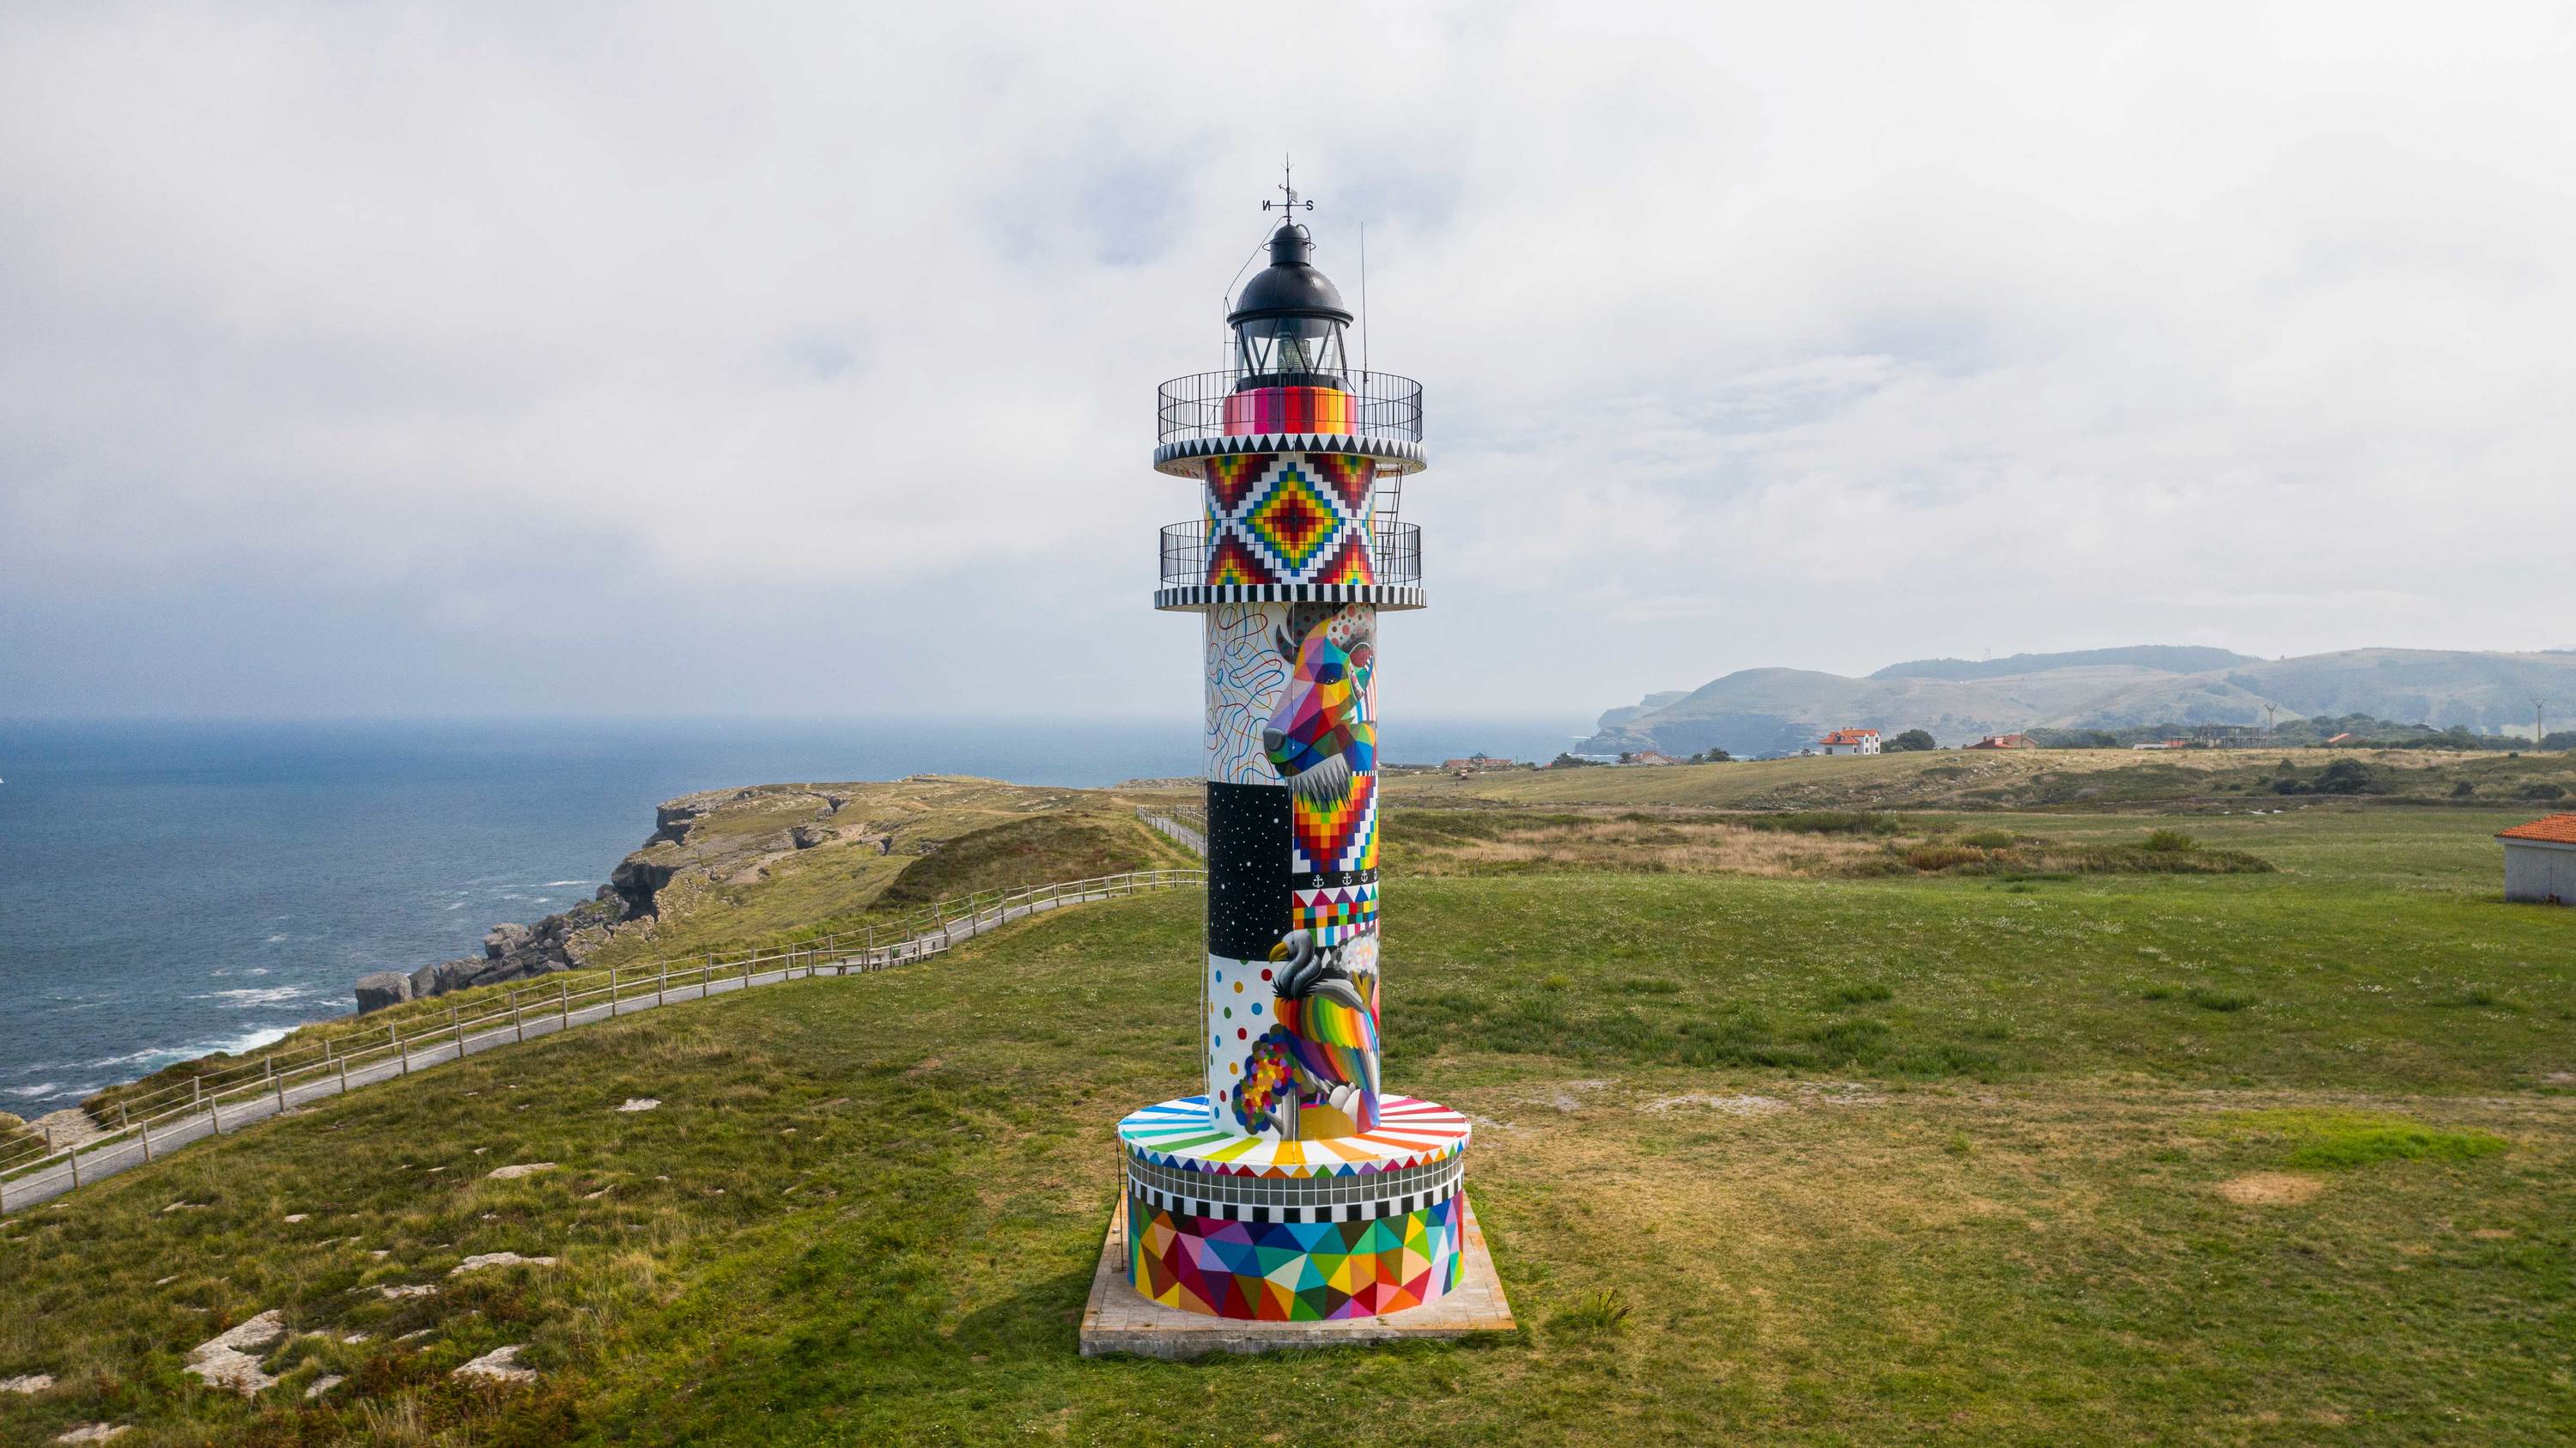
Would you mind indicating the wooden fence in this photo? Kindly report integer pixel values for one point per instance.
(147, 1127)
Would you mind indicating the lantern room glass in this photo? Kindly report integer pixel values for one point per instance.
(1290, 352)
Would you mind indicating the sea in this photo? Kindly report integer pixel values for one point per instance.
(169, 889)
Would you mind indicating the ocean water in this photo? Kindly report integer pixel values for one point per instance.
(170, 889)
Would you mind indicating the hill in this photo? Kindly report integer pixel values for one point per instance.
(1775, 710)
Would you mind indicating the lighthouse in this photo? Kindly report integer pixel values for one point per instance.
(1298, 1185)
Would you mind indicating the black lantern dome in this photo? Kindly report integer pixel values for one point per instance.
(1288, 320)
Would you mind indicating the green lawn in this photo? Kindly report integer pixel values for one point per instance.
(2257, 1158)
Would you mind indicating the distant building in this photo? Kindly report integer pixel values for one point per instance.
(1849, 741)
(1476, 763)
(2229, 736)
(1649, 756)
(2540, 860)
(2163, 744)
(2003, 741)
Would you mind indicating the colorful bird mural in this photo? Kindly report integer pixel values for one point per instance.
(1321, 1057)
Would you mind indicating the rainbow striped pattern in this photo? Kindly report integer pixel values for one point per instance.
(1288, 409)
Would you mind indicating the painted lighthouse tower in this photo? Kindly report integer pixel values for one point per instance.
(1295, 1186)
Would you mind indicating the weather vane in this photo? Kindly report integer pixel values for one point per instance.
(1288, 184)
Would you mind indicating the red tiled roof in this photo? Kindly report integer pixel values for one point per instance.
(1849, 736)
(2558, 829)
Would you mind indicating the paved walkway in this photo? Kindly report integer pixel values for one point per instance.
(158, 1141)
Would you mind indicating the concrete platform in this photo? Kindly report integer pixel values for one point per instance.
(1117, 1320)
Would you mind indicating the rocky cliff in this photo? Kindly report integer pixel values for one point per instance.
(714, 837)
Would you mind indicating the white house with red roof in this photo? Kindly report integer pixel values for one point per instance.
(1849, 741)
(2540, 860)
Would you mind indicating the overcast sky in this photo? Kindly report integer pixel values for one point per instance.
(443, 359)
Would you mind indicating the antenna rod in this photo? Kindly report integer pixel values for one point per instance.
(1364, 327)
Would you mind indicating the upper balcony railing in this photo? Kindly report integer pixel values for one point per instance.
(1395, 553)
(1369, 404)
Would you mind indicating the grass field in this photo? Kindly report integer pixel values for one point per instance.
(2278, 1157)
(2010, 779)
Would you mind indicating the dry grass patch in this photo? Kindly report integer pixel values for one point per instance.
(2270, 1189)
(1508, 843)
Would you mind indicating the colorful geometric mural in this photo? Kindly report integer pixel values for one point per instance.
(1334, 913)
(1231, 560)
(1292, 522)
(1288, 518)
(1293, 1271)
(1230, 480)
(1336, 834)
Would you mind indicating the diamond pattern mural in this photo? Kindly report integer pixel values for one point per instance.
(1289, 518)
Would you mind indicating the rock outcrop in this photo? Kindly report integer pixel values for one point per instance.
(382, 988)
(717, 836)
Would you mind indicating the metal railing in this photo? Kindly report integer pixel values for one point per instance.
(1380, 404)
(159, 1122)
(1395, 553)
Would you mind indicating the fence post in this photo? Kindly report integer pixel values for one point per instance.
(215, 1108)
(344, 1075)
(75, 1163)
(279, 1082)
(405, 1047)
(147, 1138)
(120, 1116)
(612, 991)
(196, 1093)
(456, 1025)
(517, 1023)
(567, 1004)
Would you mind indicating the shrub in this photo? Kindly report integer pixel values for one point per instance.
(2347, 776)
(2218, 1000)
(1858, 995)
(1989, 839)
(2463, 790)
(1853, 1039)
(2169, 842)
(2542, 790)
(1911, 741)
(1601, 1311)
(1824, 822)
(1944, 857)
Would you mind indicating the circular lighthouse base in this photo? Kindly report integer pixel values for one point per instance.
(1294, 1231)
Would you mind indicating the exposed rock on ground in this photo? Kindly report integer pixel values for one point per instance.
(519, 1169)
(224, 1360)
(501, 1364)
(31, 1383)
(498, 1259)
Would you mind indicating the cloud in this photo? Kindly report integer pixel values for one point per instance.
(799, 357)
